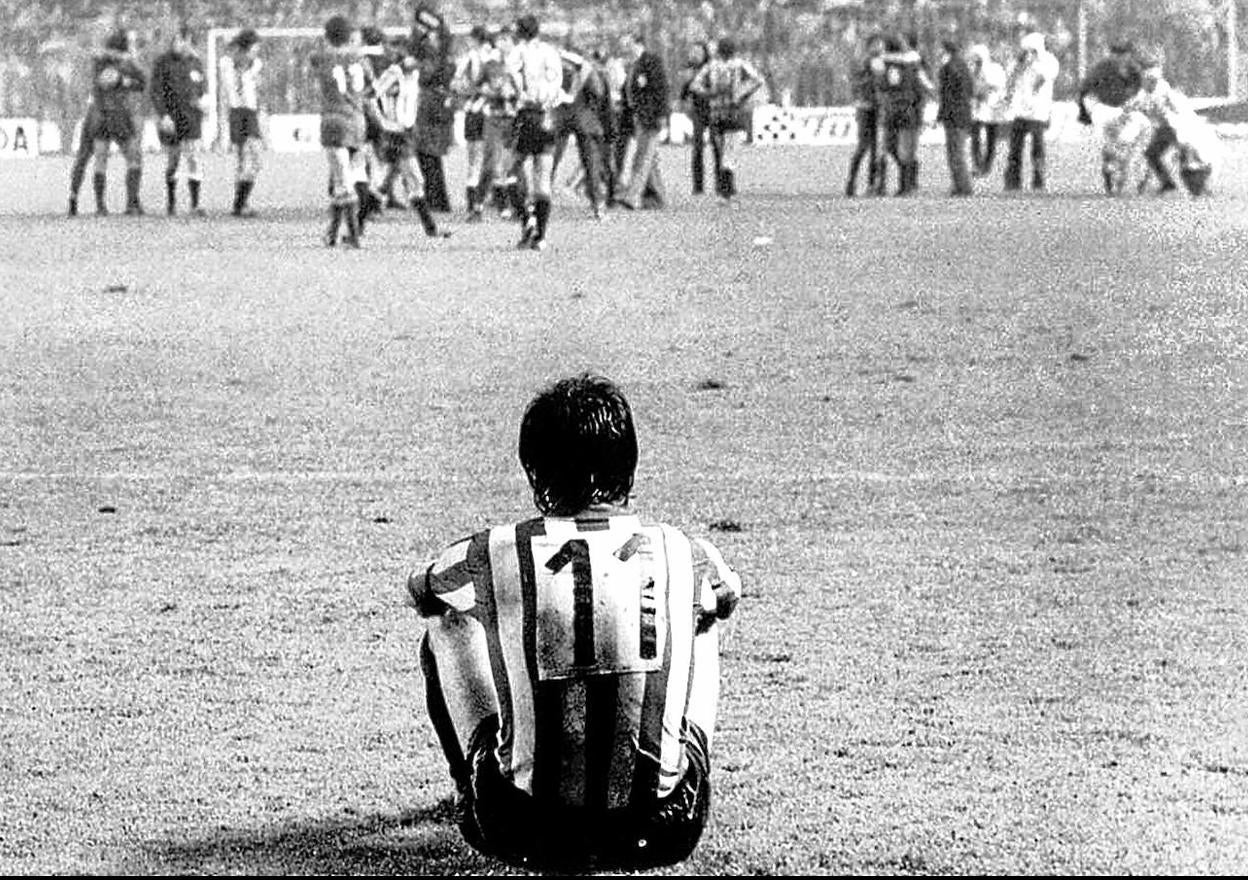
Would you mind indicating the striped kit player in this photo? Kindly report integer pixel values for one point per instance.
(397, 96)
(537, 70)
(240, 84)
(572, 660)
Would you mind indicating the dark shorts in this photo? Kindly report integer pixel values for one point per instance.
(341, 131)
(867, 121)
(474, 126)
(535, 132)
(244, 125)
(187, 126)
(394, 146)
(115, 126)
(501, 820)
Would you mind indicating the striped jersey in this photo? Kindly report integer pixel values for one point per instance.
(727, 83)
(398, 95)
(538, 71)
(240, 81)
(579, 634)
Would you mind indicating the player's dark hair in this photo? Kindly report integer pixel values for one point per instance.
(727, 48)
(578, 446)
(118, 41)
(338, 31)
(527, 27)
(246, 38)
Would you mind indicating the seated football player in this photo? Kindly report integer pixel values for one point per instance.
(571, 660)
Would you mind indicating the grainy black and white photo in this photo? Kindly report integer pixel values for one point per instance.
(661, 437)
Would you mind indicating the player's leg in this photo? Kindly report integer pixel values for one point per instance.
(192, 155)
(1039, 156)
(526, 210)
(589, 145)
(173, 155)
(414, 182)
(697, 155)
(132, 152)
(1163, 140)
(99, 179)
(861, 150)
(247, 170)
(86, 149)
(645, 155)
(654, 195)
(728, 174)
(1014, 158)
(341, 198)
(543, 185)
(474, 154)
(907, 159)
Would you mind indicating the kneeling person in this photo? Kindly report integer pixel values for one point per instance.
(572, 660)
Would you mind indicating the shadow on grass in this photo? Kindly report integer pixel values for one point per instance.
(423, 841)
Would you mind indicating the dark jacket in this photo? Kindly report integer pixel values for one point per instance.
(177, 85)
(115, 78)
(957, 93)
(435, 108)
(645, 92)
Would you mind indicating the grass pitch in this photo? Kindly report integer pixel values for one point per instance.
(980, 462)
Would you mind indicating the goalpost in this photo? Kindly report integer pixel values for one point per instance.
(292, 119)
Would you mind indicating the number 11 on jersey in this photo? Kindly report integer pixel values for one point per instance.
(598, 610)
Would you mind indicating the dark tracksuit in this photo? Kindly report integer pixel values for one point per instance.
(866, 118)
(957, 92)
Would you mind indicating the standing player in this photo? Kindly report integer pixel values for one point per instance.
(240, 83)
(115, 77)
(500, 94)
(538, 72)
(397, 92)
(86, 149)
(572, 660)
(344, 86)
(178, 92)
(729, 84)
(467, 88)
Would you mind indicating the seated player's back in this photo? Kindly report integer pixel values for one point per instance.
(585, 626)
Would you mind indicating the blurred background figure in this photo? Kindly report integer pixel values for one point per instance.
(1030, 101)
(988, 109)
(698, 109)
(730, 85)
(647, 103)
(240, 69)
(116, 77)
(863, 87)
(957, 93)
(179, 92)
(435, 117)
